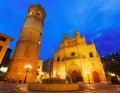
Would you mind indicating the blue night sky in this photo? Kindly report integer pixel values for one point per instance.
(97, 20)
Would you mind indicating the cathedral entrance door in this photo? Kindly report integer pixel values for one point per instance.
(96, 76)
(74, 76)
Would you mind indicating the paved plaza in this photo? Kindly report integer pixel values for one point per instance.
(87, 88)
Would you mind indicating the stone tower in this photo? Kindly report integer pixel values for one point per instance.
(27, 49)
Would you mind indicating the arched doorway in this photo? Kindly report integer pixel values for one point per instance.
(96, 76)
(74, 76)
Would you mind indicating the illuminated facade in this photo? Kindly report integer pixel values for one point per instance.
(78, 60)
(4, 43)
(27, 49)
(39, 71)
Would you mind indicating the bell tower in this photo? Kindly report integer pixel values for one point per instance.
(27, 49)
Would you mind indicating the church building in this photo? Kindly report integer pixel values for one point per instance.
(78, 60)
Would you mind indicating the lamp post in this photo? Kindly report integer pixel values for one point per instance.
(88, 77)
(27, 68)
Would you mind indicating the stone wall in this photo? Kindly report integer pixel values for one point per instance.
(53, 87)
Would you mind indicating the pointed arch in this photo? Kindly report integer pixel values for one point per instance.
(75, 73)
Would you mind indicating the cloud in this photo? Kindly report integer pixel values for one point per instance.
(109, 41)
(111, 6)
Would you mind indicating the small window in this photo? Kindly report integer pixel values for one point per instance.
(31, 13)
(58, 59)
(90, 54)
(1, 47)
(38, 13)
(73, 54)
(2, 38)
(40, 34)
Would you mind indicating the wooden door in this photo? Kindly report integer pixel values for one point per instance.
(96, 76)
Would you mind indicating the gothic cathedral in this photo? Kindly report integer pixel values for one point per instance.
(78, 60)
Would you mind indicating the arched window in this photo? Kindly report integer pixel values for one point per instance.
(31, 13)
(90, 54)
(38, 13)
(58, 58)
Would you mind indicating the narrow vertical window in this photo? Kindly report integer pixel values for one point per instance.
(58, 59)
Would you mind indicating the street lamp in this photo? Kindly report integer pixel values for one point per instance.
(27, 68)
(88, 77)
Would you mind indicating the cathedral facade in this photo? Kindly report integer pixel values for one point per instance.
(78, 60)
